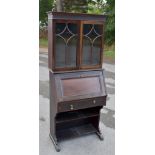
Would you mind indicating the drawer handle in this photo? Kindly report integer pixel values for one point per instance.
(94, 101)
(71, 107)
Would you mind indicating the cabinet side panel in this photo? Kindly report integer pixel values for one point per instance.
(102, 44)
(50, 42)
(53, 107)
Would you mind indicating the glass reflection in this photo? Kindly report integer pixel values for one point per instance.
(60, 47)
(96, 51)
(66, 44)
(86, 51)
(71, 49)
(92, 44)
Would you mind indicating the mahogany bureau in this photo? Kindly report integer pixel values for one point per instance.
(77, 84)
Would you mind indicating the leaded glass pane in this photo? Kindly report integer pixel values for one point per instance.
(66, 44)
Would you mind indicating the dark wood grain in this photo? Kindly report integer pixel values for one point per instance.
(81, 104)
(77, 92)
(80, 86)
(50, 43)
(75, 16)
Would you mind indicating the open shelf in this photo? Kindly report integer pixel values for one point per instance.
(75, 115)
(76, 131)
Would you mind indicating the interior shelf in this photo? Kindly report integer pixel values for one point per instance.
(75, 115)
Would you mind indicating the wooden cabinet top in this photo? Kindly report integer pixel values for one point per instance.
(75, 16)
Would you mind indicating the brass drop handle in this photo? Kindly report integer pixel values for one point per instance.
(94, 101)
(71, 107)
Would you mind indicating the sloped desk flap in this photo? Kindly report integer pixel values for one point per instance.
(80, 85)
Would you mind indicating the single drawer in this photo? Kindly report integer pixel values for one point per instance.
(81, 104)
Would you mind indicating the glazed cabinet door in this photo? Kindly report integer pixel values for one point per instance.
(77, 45)
(92, 45)
(66, 38)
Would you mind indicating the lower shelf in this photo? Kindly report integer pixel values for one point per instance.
(76, 131)
(77, 114)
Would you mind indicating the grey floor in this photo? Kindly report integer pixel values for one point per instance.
(85, 145)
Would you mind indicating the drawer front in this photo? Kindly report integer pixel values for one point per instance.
(81, 104)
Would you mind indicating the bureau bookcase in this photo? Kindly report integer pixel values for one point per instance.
(77, 85)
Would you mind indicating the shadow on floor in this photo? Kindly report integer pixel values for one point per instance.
(108, 118)
(44, 88)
